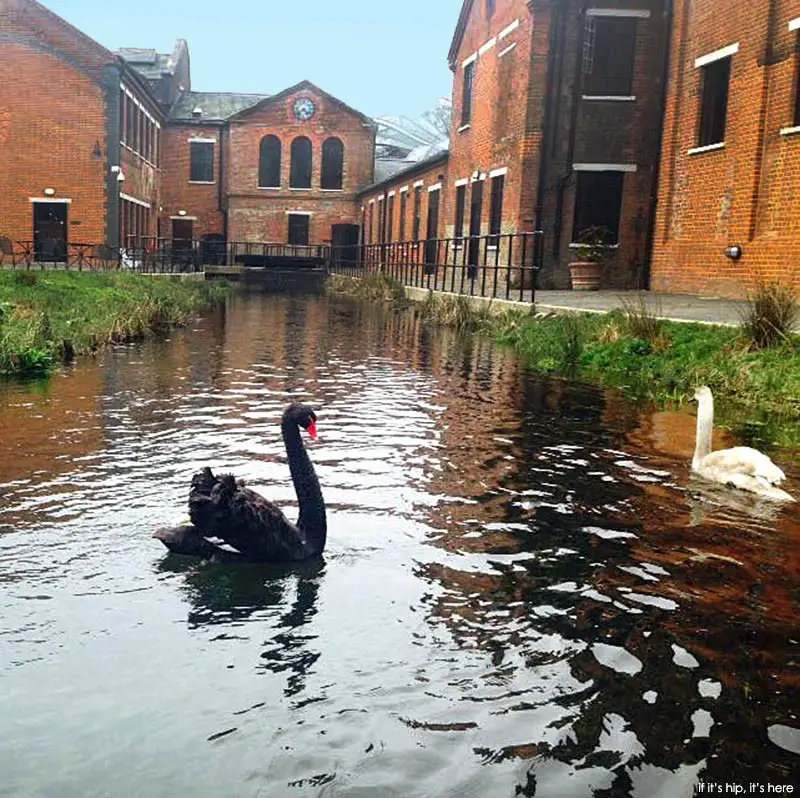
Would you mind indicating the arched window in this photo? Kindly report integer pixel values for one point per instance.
(269, 162)
(332, 163)
(301, 163)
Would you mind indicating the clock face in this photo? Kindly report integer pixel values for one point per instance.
(303, 108)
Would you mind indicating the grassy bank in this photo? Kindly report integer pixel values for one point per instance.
(47, 317)
(662, 362)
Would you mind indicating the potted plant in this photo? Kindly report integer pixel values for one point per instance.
(592, 251)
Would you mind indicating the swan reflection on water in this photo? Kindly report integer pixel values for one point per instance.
(283, 595)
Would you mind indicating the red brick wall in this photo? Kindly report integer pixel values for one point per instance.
(427, 177)
(256, 214)
(496, 135)
(51, 117)
(199, 200)
(745, 193)
(612, 132)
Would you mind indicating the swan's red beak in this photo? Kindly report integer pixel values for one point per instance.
(312, 430)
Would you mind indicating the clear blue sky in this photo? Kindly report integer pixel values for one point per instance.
(379, 57)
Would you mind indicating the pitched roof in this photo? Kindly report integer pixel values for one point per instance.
(306, 85)
(386, 171)
(214, 106)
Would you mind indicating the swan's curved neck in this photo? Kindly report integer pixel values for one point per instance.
(705, 426)
(311, 521)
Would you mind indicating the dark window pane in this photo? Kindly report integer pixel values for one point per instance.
(431, 244)
(298, 229)
(461, 201)
(332, 164)
(401, 233)
(371, 220)
(714, 104)
(797, 100)
(496, 209)
(609, 48)
(466, 95)
(475, 212)
(417, 212)
(598, 202)
(201, 168)
(269, 162)
(389, 219)
(301, 163)
(797, 88)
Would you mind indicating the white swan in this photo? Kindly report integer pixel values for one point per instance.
(741, 467)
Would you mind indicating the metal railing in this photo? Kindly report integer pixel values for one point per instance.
(158, 255)
(494, 266)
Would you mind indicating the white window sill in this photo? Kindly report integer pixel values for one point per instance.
(708, 148)
(619, 98)
(465, 127)
(790, 131)
(269, 188)
(137, 154)
(292, 188)
(333, 190)
(576, 245)
(203, 182)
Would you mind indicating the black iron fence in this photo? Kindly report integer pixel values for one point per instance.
(494, 266)
(159, 255)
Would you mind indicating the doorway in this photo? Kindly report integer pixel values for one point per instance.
(298, 229)
(50, 231)
(344, 243)
(182, 234)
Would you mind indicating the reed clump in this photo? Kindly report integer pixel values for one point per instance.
(48, 317)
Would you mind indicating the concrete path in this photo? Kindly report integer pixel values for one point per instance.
(678, 307)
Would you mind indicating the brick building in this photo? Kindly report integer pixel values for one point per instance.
(80, 136)
(556, 127)
(731, 152)
(109, 148)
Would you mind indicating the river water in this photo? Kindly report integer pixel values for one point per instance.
(523, 593)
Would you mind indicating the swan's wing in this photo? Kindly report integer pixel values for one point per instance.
(258, 528)
(743, 460)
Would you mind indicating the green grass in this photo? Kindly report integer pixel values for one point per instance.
(49, 316)
(663, 363)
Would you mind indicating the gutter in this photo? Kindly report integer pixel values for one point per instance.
(576, 89)
(554, 55)
(666, 45)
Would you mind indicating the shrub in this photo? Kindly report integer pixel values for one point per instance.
(770, 314)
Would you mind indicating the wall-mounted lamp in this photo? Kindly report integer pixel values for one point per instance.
(181, 213)
(114, 170)
(49, 192)
(120, 177)
(476, 174)
(735, 252)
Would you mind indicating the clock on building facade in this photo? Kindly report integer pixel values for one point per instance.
(303, 108)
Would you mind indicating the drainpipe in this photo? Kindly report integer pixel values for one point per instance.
(769, 60)
(666, 45)
(554, 56)
(221, 199)
(576, 88)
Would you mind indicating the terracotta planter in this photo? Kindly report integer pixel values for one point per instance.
(585, 275)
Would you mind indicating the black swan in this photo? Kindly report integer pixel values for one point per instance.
(222, 507)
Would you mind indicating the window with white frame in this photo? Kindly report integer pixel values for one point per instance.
(598, 204)
(609, 49)
(201, 161)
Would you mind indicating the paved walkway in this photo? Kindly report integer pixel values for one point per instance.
(678, 307)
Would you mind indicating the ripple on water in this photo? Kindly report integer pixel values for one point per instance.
(517, 598)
